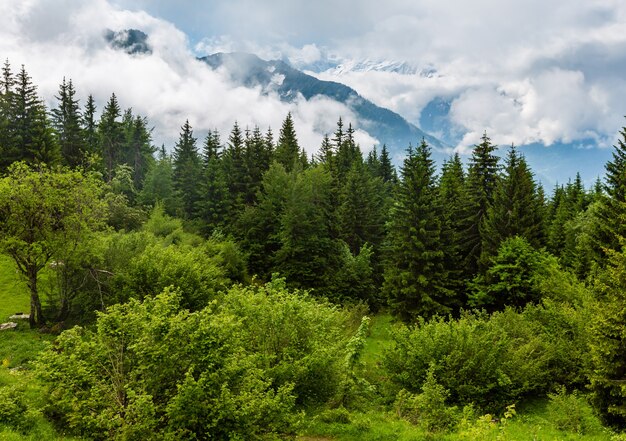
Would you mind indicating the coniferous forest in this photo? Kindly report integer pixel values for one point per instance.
(234, 287)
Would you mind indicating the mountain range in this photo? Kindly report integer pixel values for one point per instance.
(288, 83)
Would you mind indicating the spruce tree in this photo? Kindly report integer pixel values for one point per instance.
(31, 128)
(138, 150)
(515, 211)
(213, 203)
(90, 127)
(613, 203)
(481, 181)
(360, 215)
(66, 119)
(187, 171)
(415, 278)
(452, 196)
(9, 148)
(387, 171)
(288, 151)
(235, 171)
(111, 137)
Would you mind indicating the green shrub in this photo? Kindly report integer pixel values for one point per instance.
(13, 410)
(153, 370)
(491, 360)
(572, 413)
(427, 409)
(299, 340)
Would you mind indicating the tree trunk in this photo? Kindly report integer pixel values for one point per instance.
(36, 315)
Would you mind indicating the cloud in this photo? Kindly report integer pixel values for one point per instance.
(168, 86)
(525, 71)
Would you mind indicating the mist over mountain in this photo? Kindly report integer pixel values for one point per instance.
(288, 83)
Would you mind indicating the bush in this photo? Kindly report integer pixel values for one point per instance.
(427, 409)
(152, 370)
(298, 340)
(490, 360)
(13, 411)
(572, 413)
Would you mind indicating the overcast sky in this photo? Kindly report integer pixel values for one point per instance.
(526, 70)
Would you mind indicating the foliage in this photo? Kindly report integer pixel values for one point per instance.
(608, 342)
(571, 412)
(513, 277)
(150, 369)
(61, 208)
(299, 341)
(427, 409)
(490, 361)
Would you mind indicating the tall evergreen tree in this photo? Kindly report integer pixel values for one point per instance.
(235, 170)
(360, 214)
(481, 183)
(111, 137)
(288, 151)
(138, 151)
(515, 211)
(612, 210)
(452, 195)
(326, 152)
(309, 255)
(90, 127)
(414, 276)
(187, 170)
(387, 171)
(66, 119)
(31, 128)
(9, 148)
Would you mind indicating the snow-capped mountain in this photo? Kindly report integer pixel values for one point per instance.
(279, 77)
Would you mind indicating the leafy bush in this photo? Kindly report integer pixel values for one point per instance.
(427, 409)
(152, 370)
(490, 361)
(13, 411)
(572, 413)
(298, 340)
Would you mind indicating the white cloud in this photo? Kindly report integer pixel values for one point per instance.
(168, 86)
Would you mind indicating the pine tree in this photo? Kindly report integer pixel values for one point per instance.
(9, 148)
(158, 186)
(309, 255)
(347, 153)
(287, 150)
(326, 152)
(259, 225)
(451, 196)
(257, 160)
(515, 210)
(213, 202)
(481, 183)
(235, 171)
(613, 204)
(111, 137)
(66, 119)
(90, 128)
(360, 214)
(387, 171)
(607, 328)
(187, 171)
(31, 128)
(137, 150)
(414, 276)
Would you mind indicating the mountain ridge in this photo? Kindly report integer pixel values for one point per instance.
(383, 124)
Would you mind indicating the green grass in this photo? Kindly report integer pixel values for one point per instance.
(13, 291)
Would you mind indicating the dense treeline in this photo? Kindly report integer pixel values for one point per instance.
(113, 219)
